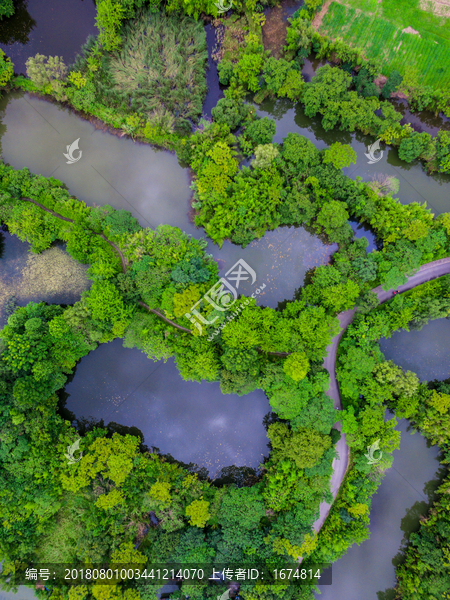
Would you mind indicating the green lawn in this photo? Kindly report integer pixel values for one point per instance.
(377, 28)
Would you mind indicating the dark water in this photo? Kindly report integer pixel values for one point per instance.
(215, 91)
(150, 183)
(422, 121)
(51, 277)
(402, 497)
(425, 352)
(361, 230)
(415, 185)
(193, 421)
(49, 27)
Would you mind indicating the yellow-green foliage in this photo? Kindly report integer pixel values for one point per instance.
(198, 513)
(6, 69)
(77, 79)
(161, 491)
(183, 302)
(108, 458)
(296, 366)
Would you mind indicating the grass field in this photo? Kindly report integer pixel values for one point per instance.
(377, 28)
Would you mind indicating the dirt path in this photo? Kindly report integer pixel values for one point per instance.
(274, 29)
(317, 21)
(426, 272)
(122, 259)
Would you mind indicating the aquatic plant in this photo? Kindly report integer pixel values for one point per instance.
(159, 71)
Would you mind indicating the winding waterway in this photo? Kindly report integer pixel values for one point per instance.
(415, 185)
(200, 424)
(368, 569)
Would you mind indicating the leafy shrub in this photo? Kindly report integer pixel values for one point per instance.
(265, 154)
(77, 79)
(225, 70)
(48, 73)
(43, 70)
(229, 111)
(261, 131)
(392, 83)
(296, 366)
(365, 85)
(251, 63)
(413, 146)
(6, 69)
(339, 155)
(443, 151)
(6, 8)
(109, 18)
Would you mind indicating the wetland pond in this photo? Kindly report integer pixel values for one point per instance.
(210, 428)
(195, 422)
(367, 571)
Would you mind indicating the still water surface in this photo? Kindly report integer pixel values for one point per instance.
(193, 421)
(149, 183)
(425, 352)
(366, 571)
(49, 27)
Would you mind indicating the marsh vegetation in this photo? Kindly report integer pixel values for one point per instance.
(159, 72)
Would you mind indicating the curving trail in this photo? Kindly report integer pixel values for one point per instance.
(426, 272)
(121, 256)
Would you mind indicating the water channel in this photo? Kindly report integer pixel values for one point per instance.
(122, 385)
(421, 351)
(55, 28)
(367, 571)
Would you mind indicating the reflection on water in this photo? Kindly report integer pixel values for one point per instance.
(16, 28)
(281, 260)
(361, 230)
(112, 170)
(407, 489)
(194, 422)
(52, 276)
(150, 183)
(424, 352)
(369, 568)
(415, 184)
(49, 27)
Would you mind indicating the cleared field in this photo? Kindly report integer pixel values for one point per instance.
(365, 25)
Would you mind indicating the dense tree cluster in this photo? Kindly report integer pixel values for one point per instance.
(135, 271)
(145, 283)
(369, 384)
